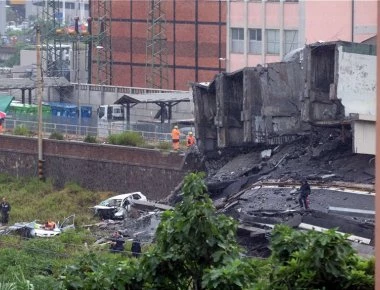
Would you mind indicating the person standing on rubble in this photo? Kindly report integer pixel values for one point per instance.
(304, 194)
(175, 138)
(117, 243)
(5, 209)
(136, 248)
(190, 140)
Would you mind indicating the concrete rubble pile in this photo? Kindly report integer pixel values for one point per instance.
(259, 188)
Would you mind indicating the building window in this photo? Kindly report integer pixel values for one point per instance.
(273, 41)
(255, 39)
(70, 5)
(237, 40)
(290, 40)
(86, 7)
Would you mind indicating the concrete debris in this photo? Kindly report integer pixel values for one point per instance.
(266, 154)
(352, 211)
(261, 194)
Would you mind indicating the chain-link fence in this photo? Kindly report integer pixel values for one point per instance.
(150, 132)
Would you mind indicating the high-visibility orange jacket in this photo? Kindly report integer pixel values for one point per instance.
(50, 225)
(175, 134)
(190, 140)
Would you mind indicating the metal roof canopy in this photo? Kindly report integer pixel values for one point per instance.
(162, 100)
(26, 83)
(5, 102)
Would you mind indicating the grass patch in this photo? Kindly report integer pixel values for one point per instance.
(164, 146)
(22, 131)
(90, 139)
(56, 136)
(127, 139)
(32, 199)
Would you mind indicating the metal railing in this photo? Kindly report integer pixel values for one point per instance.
(79, 132)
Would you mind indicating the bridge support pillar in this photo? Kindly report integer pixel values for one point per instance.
(23, 96)
(30, 96)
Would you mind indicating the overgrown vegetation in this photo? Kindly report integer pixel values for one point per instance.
(195, 248)
(90, 139)
(22, 131)
(127, 139)
(56, 136)
(32, 199)
(164, 145)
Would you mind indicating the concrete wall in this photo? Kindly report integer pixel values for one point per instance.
(364, 136)
(98, 167)
(317, 85)
(357, 82)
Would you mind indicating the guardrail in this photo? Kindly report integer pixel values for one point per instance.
(120, 89)
(79, 132)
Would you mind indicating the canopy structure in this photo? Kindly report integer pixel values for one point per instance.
(165, 101)
(5, 101)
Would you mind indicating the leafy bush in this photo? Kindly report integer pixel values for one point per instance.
(56, 136)
(102, 272)
(164, 145)
(90, 139)
(126, 138)
(22, 131)
(315, 260)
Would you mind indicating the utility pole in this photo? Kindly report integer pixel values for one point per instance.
(377, 159)
(39, 86)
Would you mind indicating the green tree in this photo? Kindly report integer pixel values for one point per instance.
(190, 241)
(102, 272)
(315, 260)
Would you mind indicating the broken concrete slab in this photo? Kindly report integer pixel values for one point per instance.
(346, 225)
(149, 205)
(266, 154)
(235, 186)
(352, 211)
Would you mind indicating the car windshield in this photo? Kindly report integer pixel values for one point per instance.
(111, 202)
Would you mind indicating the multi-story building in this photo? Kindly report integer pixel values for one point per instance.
(195, 40)
(264, 31)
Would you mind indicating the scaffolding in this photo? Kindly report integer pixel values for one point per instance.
(102, 44)
(52, 57)
(156, 74)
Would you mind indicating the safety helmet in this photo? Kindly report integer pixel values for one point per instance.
(190, 133)
(175, 127)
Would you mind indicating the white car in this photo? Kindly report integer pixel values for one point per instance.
(35, 229)
(117, 206)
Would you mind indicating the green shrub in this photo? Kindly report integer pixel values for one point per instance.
(148, 146)
(56, 135)
(164, 145)
(126, 138)
(90, 139)
(21, 131)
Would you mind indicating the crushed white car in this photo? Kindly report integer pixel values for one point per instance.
(35, 229)
(117, 206)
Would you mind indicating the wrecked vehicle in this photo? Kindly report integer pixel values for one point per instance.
(35, 229)
(117, 206)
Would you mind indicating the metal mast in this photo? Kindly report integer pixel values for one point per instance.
(52, 56)
(102, 25)
(156, 49)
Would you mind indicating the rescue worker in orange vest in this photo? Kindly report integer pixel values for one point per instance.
(175, 138)
(49, 225)
(1, 125)
(190, 140)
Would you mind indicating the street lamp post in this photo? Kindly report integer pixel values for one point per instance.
(39, 86)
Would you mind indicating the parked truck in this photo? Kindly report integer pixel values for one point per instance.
(111, 112)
